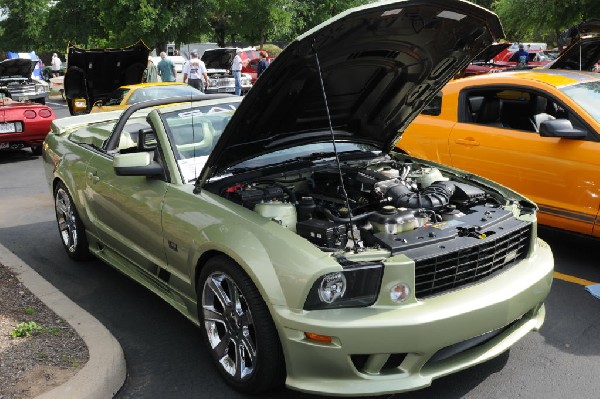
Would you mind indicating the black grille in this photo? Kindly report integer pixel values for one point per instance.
(438, 274)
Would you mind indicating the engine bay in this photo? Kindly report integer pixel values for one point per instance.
(395, 205)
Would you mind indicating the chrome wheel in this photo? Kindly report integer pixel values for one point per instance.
(229, 326)
(70, 227)
(67, 220)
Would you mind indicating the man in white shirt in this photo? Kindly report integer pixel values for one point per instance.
(194, 72)
(236, 71)
(56, 65)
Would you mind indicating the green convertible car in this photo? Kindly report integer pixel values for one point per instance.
(285, 226)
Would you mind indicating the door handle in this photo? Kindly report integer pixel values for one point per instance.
(468, 141)
(93, 176)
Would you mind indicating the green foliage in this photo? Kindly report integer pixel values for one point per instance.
(29, 310)
(23, 27)
(26, 329)
(272, 49)
(534, 20)
(43, 25)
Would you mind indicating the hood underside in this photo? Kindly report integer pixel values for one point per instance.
(490, 52)
(584, 51)
(94, 74)
(218, 58)
(17, 67)
(380, 65)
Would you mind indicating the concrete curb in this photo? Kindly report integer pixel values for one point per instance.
(105, 372)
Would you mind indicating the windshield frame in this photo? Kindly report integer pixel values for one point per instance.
(191, 157)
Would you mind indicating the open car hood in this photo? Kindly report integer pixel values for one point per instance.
(584, 51)
(381, 64)
(220, 58)
(489, 53)
(17, 67)
(94, 74)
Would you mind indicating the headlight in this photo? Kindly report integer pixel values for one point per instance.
(355, 286)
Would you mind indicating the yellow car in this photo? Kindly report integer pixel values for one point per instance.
(125, 96)
(535, 131)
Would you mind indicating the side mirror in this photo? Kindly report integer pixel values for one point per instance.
(136, 164)
(560, 128)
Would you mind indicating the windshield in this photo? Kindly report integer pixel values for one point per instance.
(587, 95)
(193, 134)
(158, 92)
(116, 97)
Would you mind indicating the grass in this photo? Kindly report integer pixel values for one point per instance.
(29, 310)
(26, 329)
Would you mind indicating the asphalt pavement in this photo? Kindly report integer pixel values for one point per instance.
(164, 352)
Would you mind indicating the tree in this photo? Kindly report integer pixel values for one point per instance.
(76, 22)
(534, 20)
(22, 29)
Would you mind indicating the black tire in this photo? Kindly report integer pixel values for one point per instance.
(250, 329)
(36, 149)
(70, 227)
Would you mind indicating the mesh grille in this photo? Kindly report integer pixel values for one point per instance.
(467, 265)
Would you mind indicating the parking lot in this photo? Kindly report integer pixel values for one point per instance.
(165, 357)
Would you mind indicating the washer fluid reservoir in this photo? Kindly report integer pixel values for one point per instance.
(282, 212)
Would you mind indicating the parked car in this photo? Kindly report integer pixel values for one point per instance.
(24, 124)
(47, 71)
(534, 131)
(484, 62)
(93, 75)
(284, 225)
(57, 85)
(16, 81)
(508, 57)
(126, 96)
(218, 64)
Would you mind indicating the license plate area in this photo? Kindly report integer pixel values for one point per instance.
(7, 127)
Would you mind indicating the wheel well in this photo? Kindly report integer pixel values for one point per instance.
(55, 183)
(205, 257)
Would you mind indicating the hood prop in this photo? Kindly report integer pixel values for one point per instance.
(337, 158)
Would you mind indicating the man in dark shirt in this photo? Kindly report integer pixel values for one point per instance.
(262, 64)
(522, 56)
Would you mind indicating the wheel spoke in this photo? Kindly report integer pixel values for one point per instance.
(240, 360)
(210, 314)
(217, 288)
(223, 347)
(61, 207)
(249, 346)
(235, 298)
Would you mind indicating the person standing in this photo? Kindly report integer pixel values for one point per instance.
(262, 64)
(56, 65)
(151, 72)
(522, 56)
(166, 68)
(236, 71)
(194, 72)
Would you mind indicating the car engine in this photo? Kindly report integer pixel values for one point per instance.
(392, 205)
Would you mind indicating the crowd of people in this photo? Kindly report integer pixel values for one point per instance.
(194, 70)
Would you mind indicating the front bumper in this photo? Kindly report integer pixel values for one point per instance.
(357, 362)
